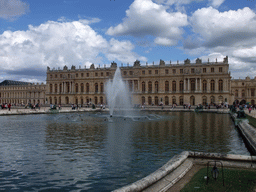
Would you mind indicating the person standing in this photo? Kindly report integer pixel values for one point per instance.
(9, 106)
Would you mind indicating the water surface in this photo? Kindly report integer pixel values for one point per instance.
(86, 152)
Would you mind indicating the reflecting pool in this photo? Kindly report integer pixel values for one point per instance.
(92, 152)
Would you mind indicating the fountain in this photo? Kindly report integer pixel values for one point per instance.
(118, 96)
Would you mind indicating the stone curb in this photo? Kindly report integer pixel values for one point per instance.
(155, 176)
(249, 134)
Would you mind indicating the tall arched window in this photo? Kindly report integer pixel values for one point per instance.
(193, 85)
(220, 85)
(156, 86)
(204, 100)
(181, 101)
(174, 86)
(82, 87)
(236, 93)
(76, 87)
(212, 85)
(204, 85)
(96, 88)
(243, 93)
(101, 100)
(56, 88)
(212, 99)
(181, 85)
(166, 86)
(87, 88)
(50, 88)
(101, 87)
(149, 86)
(156, 100)
(166, 100)
(173, 100)
(60, 87)
(143, 87)
(143, 100)
(149, 100)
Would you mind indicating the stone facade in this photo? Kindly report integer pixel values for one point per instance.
(188, 83)
(22, 93)
(244, 90)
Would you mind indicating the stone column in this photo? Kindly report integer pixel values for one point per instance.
(188, 84)
(196, 84)
(200, 87)
(185, 85)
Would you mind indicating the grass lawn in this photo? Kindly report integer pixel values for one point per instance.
(234, 179)
(252, 120)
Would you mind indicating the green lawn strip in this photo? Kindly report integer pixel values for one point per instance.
(234, 179)
(252, 120)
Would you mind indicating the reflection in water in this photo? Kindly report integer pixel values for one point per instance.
(86, 152)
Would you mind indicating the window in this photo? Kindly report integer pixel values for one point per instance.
(204, 85)
(56, 88)
(181, 71)
(212, 85)
(82, 87)
(236, 93)
(87, 74)
(125, 72)
(96, 88)
(76, 87)
(130, 72)
(156, 72)
(181, 85)
(220, 85)
(60, 75)
(82, 74)
(87, 87)
(166, 86)
(220, 69)
(192, 70)
(149, 72)
(181, 101)
(50, 76)
(174, 86)
(143, 86)
(76, 74)
(107, 73)
(50, 88)
(56, 75)
(156, 86)
(252, 92)
(166, 100)
(156, 100)
(193, 85)
(101, 87)
(149, 100)
(101, 74)
(149, 86)
(143, 100)
(174, 71)
(204, 70)
(166, 71)
(96, 74)
(212, 69)
(143, 72)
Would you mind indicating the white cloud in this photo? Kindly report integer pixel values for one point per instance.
(55, 44)
(122, 51)
(145, 18)
(224, 28)
(11, 9)
(216, 3)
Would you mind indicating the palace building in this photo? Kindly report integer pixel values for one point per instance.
(244, 90)
(167, 84)
(187, 83)
(18, 92)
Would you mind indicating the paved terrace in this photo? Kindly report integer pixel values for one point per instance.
(43, 110)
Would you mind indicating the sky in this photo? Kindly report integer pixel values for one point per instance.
(35, 34)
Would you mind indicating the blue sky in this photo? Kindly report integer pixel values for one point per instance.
(35, 34)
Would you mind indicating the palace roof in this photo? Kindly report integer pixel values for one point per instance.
(11, 82)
